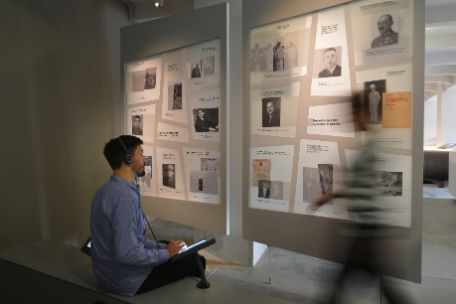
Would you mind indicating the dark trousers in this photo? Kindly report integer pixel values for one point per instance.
(365, 256)
(170, 272)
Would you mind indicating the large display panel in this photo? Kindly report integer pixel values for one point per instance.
(174, 84)
(303, 62)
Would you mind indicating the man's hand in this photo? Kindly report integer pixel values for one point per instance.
(174, 246)
(320, 201)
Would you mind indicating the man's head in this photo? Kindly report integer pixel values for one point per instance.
(201, 114)
(270, 107)
(117, 150)
(372, 87)
(150, 79)
(330, 57)
(137, 120)
(169, 170)
(384, 23)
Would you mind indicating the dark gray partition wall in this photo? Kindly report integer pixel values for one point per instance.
(161, 36)
(313, 235)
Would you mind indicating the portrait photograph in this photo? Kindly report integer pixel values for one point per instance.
(137, 124)
(196, 69)
(169, 175)
(373, 100)
(327, 62)
(206, 119)
(271, 107)
(385, 31)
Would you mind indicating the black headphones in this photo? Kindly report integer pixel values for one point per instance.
(128, 158)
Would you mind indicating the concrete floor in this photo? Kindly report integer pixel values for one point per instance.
(280, 276)
(299, 278)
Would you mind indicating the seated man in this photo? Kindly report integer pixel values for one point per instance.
(123, 260)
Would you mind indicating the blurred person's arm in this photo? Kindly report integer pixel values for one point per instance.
(320, 201)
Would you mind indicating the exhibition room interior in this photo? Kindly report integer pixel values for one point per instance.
(249, 137)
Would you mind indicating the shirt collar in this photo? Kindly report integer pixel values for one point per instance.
(122, 180)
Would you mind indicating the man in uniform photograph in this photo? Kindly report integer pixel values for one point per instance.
(387, 35)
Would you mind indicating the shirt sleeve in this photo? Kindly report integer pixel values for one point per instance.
(129, 246)
(152, 244)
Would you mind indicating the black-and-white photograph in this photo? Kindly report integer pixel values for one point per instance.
(386, 31)
(206, 119)
(210, 164)
(327, 62)
(275, 54)
(326, 177)
(169, 175)
(264, 189)
(175, 96)
(204, 182)
(278, 57)
(208, 66)
(311, 187)
(390, 183)
(144, 80)
(150, 78)
(373, 100)
(276, 190)
(196, 69)
(137, 125)
(271, 112)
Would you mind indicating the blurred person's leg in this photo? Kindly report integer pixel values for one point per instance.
(393, 294)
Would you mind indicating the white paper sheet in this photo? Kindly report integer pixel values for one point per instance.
(331, 75)
(143, 80)
(331, 119)
(395, 181)
(280, 49)
(141, 122)
(203, 64)
(273, 193)
(395, 78)
(202, 171)
(274, 111)
(175, 101)
(318, 173)
(382, 30)
(171, 132)
(170, 174)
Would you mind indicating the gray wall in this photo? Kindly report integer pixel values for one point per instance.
(60, 82)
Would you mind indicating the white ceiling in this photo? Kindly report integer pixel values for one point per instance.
(440, 44)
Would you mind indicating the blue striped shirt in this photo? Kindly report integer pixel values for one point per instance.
(121, 256)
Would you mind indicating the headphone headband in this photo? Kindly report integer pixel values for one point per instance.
(128, 158)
